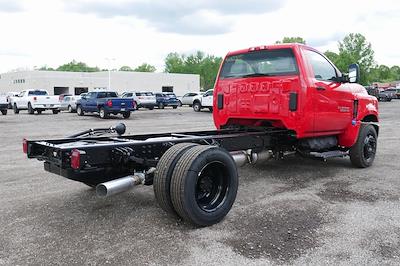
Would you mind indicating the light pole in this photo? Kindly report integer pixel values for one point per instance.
(109, 72)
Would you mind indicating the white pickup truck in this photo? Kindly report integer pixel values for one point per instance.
(203, 101)
(3, 104)
(36, 100)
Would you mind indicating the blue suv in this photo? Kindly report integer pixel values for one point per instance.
(166, 99)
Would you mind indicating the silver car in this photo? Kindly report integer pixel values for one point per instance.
(68, 103)
(187, 99)
(144, 99)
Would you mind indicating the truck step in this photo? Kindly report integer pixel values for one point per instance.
(329, 154)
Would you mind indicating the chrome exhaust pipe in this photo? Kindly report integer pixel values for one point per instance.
(242, 158)
(119, 185)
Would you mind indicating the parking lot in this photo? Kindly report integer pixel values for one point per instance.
(296, 211)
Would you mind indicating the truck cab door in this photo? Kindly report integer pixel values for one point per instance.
(331, 100)
(23, 100)
(85, 101)
(207, 99)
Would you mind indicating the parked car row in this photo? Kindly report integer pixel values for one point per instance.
(104, 103)
(384, 95)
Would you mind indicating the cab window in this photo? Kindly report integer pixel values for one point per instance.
(323, 70)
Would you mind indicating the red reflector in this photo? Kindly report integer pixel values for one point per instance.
(25, 146)
(75, 159)
(35, 98)
(109, 103)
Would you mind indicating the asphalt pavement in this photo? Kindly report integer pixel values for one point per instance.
(296, 211)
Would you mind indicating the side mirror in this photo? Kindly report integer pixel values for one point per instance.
(354, 73)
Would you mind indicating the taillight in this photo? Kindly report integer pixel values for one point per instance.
(25, 146)
(109, 103)
(75, 159)
(35, 98)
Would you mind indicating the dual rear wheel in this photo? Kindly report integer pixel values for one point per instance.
(196, 182)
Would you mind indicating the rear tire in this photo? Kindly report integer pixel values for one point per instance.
(102, 113)
(163, 175)
(39, 112)
(126, 115)
(175, 106)
(16, 110)
(55, 112)
(160, 106)
(31, 111)
(204, 185)
(79, 110)
(210, 108)
(4, 112)
(151, 107)
(70, 109)
(197, 107)
(362, 154)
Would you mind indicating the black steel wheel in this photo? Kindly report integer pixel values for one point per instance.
(31, 111)
(163, 174)
(363, 152)
(16, 110)
(204, 185)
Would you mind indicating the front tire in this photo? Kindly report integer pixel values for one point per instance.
(55, 112)
(103, 114)
(70, 109)
(160, 106)
(362, 154)
(79, 110)
(197, 107)
(204, 185)
(4, 112)
(175, 106)
(16, 110)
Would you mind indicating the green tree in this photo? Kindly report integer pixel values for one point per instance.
(355, 49)
(206, 66)
(125, 68)
(145, 68)
(395, 73)
(46, 68)
(75, 66)
(292, 40)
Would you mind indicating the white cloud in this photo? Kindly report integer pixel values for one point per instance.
(54, 32)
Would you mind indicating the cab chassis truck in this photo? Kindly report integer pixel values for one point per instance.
(269, 101)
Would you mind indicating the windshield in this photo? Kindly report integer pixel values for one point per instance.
(37, 92)
(260, 63)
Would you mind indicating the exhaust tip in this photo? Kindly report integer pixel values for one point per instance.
(101, 190)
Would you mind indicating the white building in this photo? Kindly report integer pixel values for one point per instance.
(59, 82)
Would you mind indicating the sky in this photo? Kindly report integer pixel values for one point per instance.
(110, 34)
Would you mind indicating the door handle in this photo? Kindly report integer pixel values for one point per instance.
(319, 88)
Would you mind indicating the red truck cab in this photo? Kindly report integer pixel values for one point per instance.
(295, 87)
